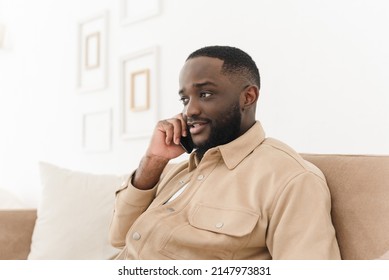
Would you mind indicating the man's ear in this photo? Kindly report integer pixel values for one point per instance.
(249, 97)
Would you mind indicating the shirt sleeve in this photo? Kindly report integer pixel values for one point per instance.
(300, 226)
(130, 203)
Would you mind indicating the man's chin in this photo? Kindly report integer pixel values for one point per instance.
(199, 141)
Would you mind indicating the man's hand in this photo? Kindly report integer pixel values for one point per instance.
(164, 146)
(165, 142)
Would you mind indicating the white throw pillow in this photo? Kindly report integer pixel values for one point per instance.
(74, 215)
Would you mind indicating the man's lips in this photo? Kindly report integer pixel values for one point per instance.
(197, 127)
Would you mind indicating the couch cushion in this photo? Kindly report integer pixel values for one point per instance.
(15, 233)
(359, 188)
(74, 215)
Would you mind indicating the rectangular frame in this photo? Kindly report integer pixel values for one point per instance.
(2, 35)
(136, 10)
(138, 93)
(92, 53)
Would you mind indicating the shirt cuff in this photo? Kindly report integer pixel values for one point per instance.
(133, 196)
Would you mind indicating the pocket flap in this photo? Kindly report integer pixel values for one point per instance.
(226, 221)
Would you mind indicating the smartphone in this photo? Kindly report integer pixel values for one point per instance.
(187, 143)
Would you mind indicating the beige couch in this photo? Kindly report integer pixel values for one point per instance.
(360, 208)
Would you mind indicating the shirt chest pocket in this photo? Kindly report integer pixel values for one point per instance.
(212, 233)
(231, 222)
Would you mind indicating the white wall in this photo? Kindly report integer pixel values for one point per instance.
(324, 68)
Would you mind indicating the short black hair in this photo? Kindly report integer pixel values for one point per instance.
(235, 61)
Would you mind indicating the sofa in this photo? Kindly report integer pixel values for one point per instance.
(359, 186)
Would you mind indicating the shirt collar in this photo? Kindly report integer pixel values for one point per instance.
(235, 151)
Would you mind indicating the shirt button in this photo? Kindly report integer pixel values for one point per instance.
(200, 177)
(219, 225)
(136, 235)
(171, 209)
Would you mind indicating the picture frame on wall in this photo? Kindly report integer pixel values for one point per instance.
(97, 131)
(136, 10)
(2, 35)
(140, 90)
(92, 53)
(139, 97)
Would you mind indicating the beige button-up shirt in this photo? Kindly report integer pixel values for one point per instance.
(253, 198)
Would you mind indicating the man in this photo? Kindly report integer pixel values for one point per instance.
(240, 195)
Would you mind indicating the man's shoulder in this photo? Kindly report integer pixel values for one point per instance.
(283, 155)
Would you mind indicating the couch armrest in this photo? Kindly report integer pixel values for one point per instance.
(16, 227)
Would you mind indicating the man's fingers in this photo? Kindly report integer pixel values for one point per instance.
(177, 131)
(173, 130)
(183, 125)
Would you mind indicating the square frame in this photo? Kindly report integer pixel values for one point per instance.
(92, 53)
(136, 10)
(138, 93)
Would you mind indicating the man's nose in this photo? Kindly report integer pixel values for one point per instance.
(192, 108)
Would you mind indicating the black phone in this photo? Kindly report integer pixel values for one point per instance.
(187, 143)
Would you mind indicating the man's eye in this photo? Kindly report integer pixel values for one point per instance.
(184, 100)
(205, 94)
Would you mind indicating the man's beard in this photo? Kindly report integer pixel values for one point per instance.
(223, 131)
